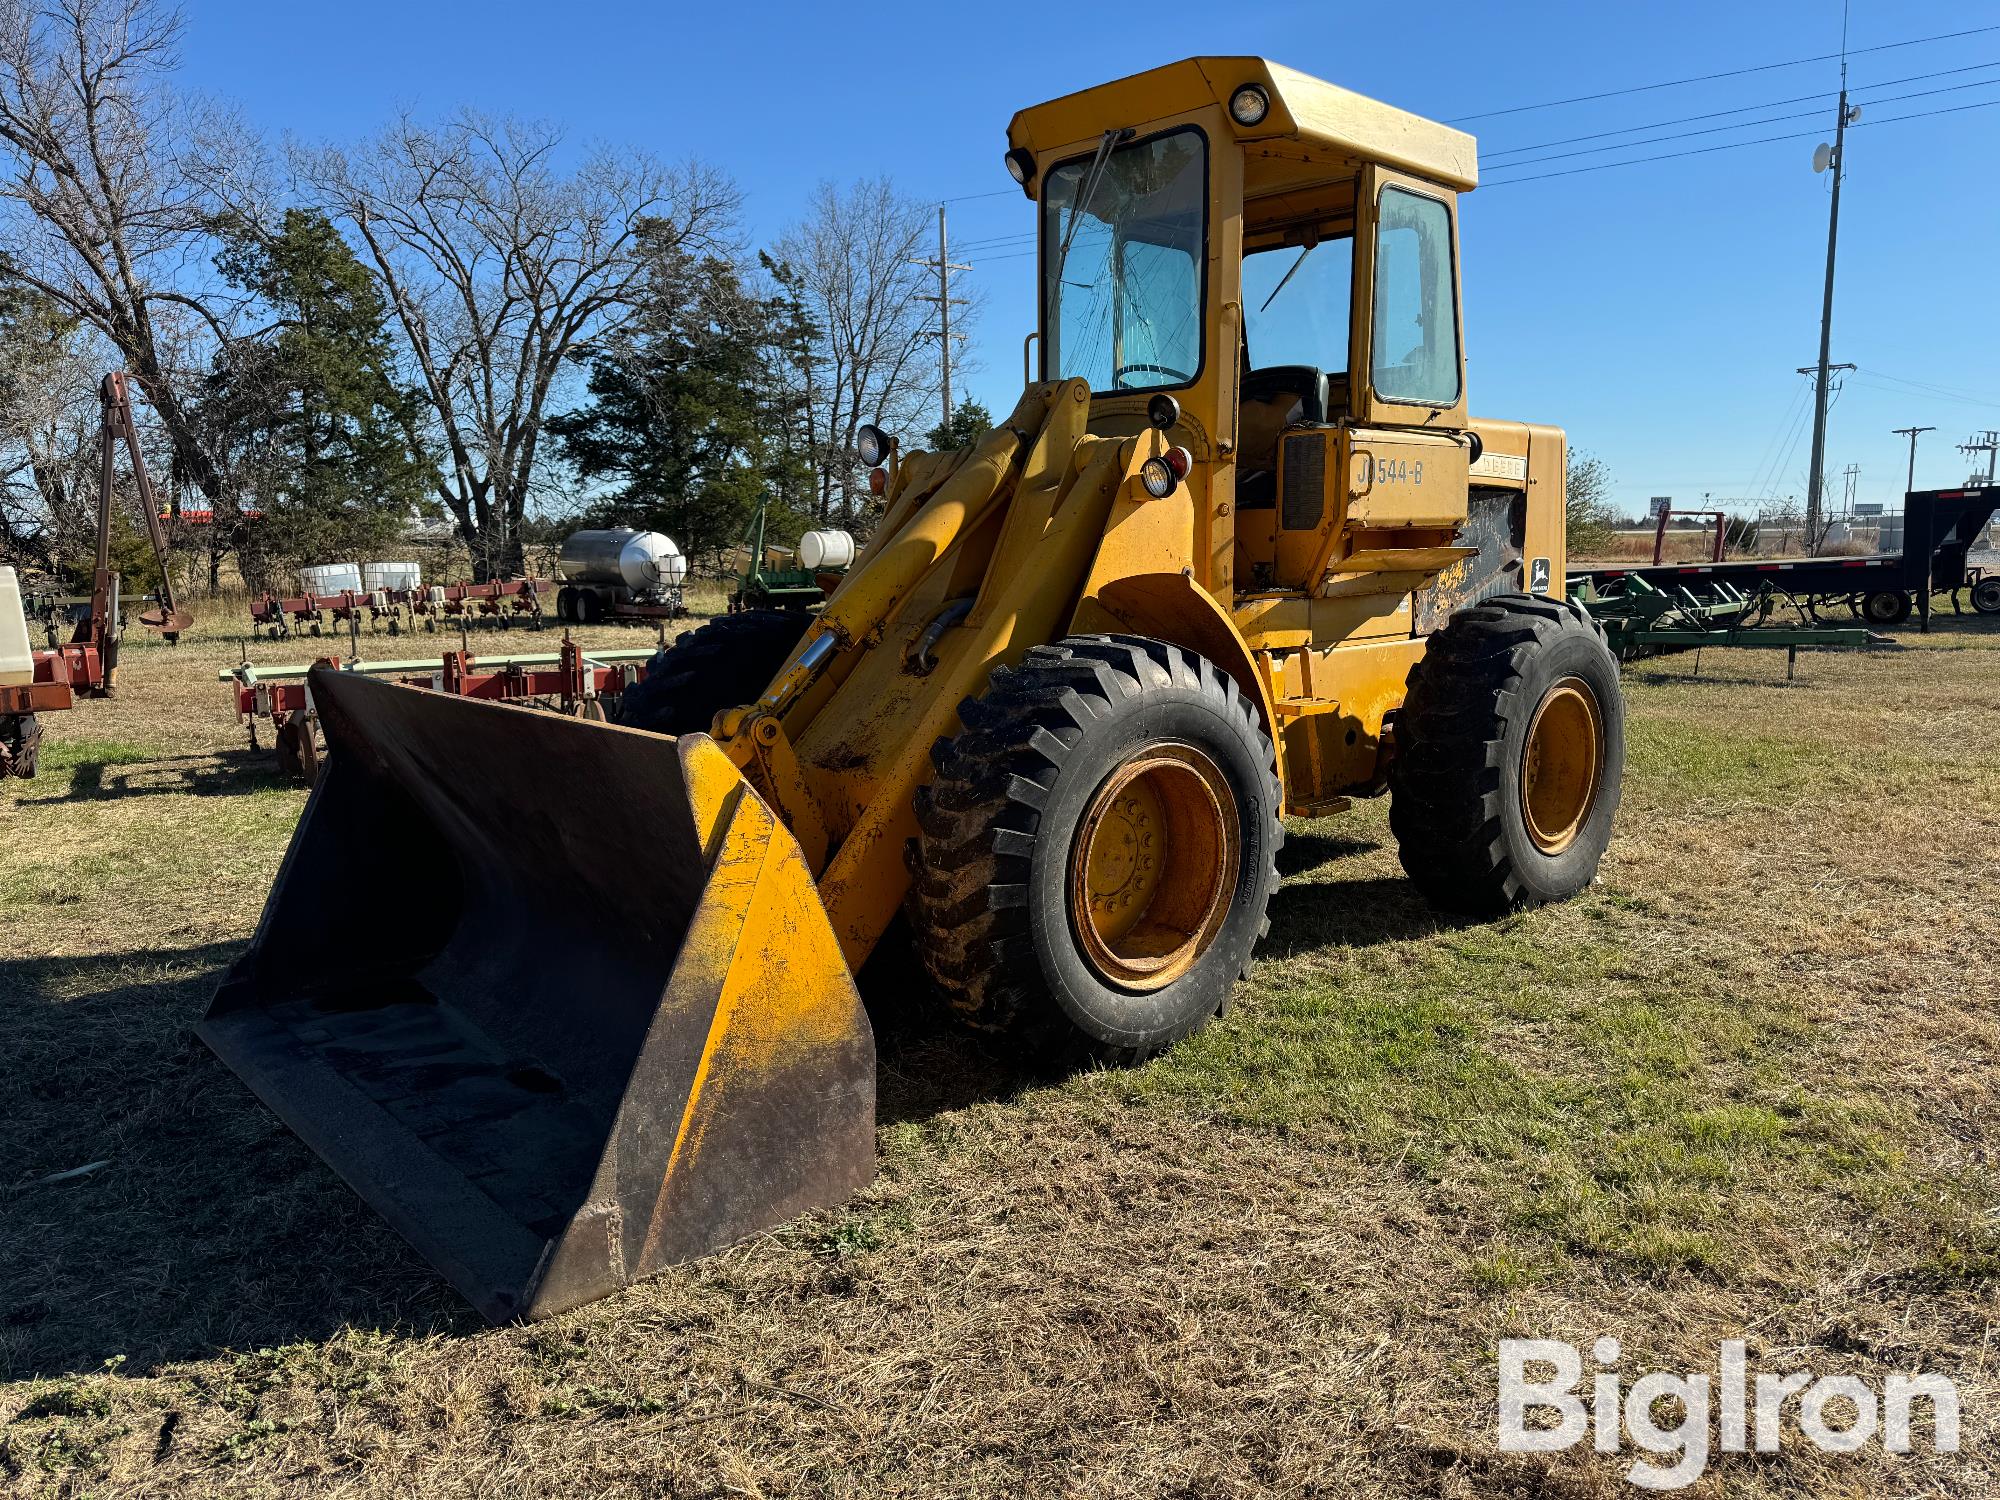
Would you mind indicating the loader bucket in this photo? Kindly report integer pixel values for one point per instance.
(557, 998)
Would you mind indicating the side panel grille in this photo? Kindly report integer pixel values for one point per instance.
(1304, 481)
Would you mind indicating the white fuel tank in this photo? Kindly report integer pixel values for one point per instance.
(642, 561)
(825, 551)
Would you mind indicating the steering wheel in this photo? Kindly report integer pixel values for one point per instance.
(1180, 377)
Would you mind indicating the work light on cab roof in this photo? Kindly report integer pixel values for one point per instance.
(1249, 104)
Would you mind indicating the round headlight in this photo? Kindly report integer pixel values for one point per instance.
(1158, 478)
(1249, 104)
(872, 444)
(1021, 165)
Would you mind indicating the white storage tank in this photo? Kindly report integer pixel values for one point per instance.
(825, 551)
(331, 578)
(642, 561)
(391, 575)
(17, 658)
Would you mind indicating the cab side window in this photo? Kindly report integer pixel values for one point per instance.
(1416, 318)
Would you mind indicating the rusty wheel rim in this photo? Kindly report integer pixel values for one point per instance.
(1562, 766)
(1153, 866)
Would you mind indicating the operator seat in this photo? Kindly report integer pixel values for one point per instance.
(1271, 400)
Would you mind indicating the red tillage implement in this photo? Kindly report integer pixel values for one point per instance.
(573, 681)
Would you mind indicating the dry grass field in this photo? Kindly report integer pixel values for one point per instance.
(1744, 1087)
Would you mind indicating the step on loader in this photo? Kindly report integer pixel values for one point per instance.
(1238, 554)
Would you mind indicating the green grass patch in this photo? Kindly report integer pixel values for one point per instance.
(1684, 760)
(60, 882)
(68, 755)
(1650, 1118)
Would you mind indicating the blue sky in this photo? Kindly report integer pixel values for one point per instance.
(1656, 311)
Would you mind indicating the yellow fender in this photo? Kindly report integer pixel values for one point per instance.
(1172, 607)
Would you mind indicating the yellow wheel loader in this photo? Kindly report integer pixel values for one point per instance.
(1239, 553)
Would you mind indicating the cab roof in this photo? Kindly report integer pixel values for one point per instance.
(1330, 122)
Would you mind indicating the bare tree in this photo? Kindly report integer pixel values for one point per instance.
(106, 188)
(500, 264)
(48, 431)
(851, 266)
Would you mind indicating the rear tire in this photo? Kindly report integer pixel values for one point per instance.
(1510, 747)
(1986, 595)
(1888, 607)
(723, 664)
(1097, 849)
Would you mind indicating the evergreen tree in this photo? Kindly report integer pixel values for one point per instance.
(690, 420)
(970, 422)
(319, 435)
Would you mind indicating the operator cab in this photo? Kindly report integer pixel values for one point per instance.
(1247, 238)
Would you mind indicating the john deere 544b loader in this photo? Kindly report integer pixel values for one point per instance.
(1238, 553)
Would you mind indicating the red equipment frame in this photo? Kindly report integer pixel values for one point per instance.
(1667, 514)
(578, 685)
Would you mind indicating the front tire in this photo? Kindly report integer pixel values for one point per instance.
(1510, 747)
(1097, 849)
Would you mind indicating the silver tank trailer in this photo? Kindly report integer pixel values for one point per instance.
(643, 562)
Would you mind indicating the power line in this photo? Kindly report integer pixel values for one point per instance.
(1932, 390)
(1802, 135)
(1686, 135)
(1670, 83)
(995, 242)
(1785, 424)
(1674, 83)
(1716, 114)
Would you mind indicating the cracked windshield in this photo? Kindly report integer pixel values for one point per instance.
(1124, 301)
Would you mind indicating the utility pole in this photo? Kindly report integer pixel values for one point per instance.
(1987, 442)
(1819, 374)
(1837, 160)
(945, 302)
(1911, 433)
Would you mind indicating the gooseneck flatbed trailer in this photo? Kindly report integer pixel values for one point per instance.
(1940, 531)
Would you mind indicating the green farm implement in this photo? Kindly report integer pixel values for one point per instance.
(1641, 618)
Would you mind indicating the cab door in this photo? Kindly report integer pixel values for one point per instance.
(1408, 359)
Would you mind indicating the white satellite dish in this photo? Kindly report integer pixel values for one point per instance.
(1853, 113)
(1822, 157)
